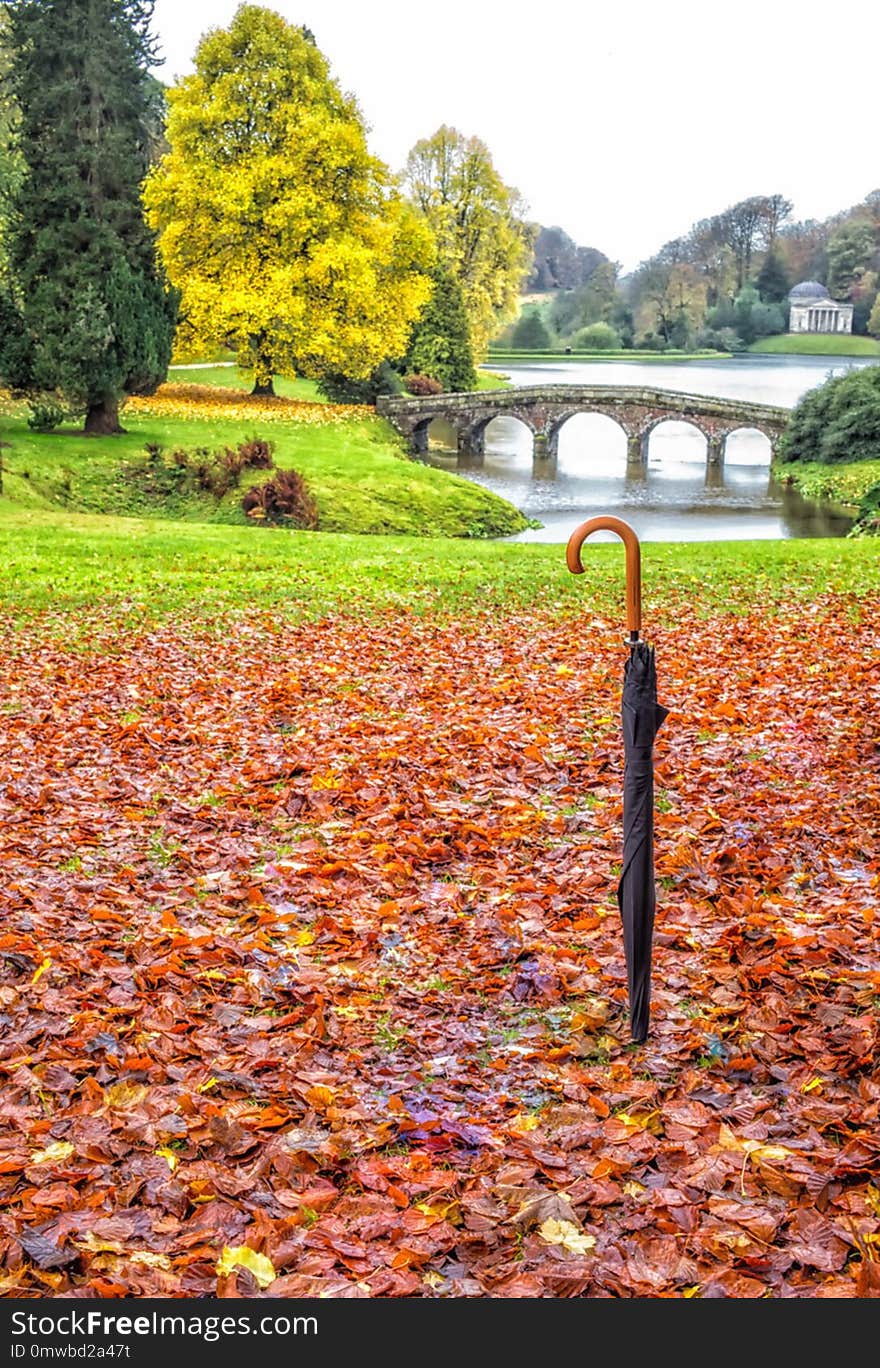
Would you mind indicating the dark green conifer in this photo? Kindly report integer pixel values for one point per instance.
(440, 345)
(773, 279)
(90, 316)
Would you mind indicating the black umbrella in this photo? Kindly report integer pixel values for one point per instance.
(642, 717)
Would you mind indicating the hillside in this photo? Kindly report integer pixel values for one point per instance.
(355, 466)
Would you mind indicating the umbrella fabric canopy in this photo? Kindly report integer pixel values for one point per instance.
(642, 718)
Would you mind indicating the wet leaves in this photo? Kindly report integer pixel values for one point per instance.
(227, 404)
(311, 978)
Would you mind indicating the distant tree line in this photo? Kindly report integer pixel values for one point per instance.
(723, 285)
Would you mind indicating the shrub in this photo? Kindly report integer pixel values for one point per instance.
(531, 333)
(768, 320)
(422, 384)
(838, 421)
(285, 499)
(342, 389)
(868, 521)
(45, 415)
(651, 342)
(257, 453)
(214, 472)
(597, 337)
(719, 339)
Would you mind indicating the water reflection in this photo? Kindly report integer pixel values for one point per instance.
(759, 379)
(676, 496)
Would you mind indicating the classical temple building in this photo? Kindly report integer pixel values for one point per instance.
(813, 310)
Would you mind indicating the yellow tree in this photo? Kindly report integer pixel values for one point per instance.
(285, 237)
(479, 225)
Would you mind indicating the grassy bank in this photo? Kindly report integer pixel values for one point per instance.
(855, 486)
(149, 569)
(842, 484)
(816, 344)
(354, 464)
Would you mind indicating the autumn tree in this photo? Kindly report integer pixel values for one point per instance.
(803, 249)
(668, 293)
(776, 211)
(478, 224)
(440, 345)
(88, 313)
(554, 261)
(558, 263)
(850, 249)
(284, 235)
(739, 227)
(713, 260)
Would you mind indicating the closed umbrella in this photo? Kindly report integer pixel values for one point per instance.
(642, 717)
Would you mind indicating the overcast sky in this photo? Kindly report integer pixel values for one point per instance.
(621, 121)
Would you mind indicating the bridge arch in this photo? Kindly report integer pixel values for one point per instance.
(438, 427)
(473, 434)
(519, 415)
(610, 422)
(678, 423)
(749, 445)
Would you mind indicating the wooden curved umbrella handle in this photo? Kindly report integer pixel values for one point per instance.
(633, 562)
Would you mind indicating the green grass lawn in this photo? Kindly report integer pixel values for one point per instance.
(230, 377)
(356, 469)
(147, 569)
(817, 344)
(491, 380)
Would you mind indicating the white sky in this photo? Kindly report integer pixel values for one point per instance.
(621, 121)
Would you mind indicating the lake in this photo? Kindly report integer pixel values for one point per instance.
(677, 497)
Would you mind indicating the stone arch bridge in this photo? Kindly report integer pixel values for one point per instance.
(544, 408)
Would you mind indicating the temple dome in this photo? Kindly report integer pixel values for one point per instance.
(808, 289)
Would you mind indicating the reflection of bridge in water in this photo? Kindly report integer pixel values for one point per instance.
(544, 409)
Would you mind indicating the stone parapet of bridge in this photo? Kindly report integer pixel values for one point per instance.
(545, 408)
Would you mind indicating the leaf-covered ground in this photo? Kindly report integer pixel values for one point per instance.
(310, 952)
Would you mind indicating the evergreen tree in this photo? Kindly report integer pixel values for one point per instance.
(530, 333)
(773, 279)
(440, 345)
(10, 162)
(95, 318)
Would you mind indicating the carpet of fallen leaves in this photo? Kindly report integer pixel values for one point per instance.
(213, 402)
(312, 980)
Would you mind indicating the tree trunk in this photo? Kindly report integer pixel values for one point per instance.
(264, 387)
(102, 419)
